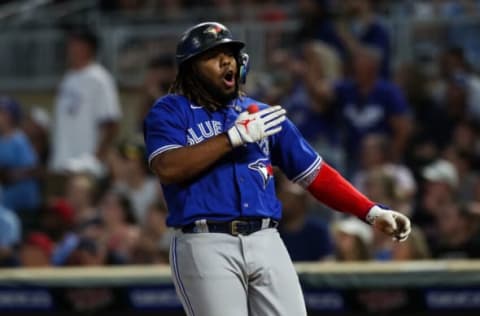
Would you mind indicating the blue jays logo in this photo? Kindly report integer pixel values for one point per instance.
(264, 168)
(214, 30)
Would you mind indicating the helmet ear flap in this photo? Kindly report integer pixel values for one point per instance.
(244, 67)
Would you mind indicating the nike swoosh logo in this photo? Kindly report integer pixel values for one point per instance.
(195, 107)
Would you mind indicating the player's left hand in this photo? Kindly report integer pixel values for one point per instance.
(390, 222)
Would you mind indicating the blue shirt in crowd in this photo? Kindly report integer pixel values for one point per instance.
(312, 124)
(17, 152)
(375, 35)
(312, 243)
(370, 114)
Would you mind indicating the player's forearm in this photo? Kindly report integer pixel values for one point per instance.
(183, 164)
(330, 188)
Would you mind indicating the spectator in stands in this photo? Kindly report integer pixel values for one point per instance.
(87, 253)
(36, 250)
(361, 27)
(133, 178)
(58, 219)
(450, 106)
(439, 189)
(315, 70)
(368, 104)
(415, 248)
(80, 192)
(146, 251)
(465, 138)
(463, 160)
(345, 26)
(375, 156)
(158, 77)
(18, 162)
(10, 237)
(353, 239)
(91, 232)
(155, 235)
(87, 109)
(119, 224)
(306, 238)
(458, 233)
(422, 151)
(318, 23)
(455, 64)
(36, 125)
(455, 102)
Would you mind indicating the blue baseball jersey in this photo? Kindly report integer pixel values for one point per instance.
(241, 183)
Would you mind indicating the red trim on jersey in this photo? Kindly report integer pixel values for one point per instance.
(330, 188)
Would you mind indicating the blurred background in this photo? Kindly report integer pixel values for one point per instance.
(387, 91)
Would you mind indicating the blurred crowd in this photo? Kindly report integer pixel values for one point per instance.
(73, 193)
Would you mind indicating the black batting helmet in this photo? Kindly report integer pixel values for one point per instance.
(202, 37)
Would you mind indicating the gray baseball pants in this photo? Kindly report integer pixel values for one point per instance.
(218, 274)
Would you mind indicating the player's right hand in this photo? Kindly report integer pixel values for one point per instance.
(253, 127)
(390, 222)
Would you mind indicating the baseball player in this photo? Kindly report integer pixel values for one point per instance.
(213, 149)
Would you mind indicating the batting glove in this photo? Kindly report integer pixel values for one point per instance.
(253, 127)
(390, 222)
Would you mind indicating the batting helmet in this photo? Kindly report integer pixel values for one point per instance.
(205, 36)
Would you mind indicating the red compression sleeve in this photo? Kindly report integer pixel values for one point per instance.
(330, 188)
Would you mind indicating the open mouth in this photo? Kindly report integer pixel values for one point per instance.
(229, 79)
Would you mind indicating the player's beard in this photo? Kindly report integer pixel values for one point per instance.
(216, 93)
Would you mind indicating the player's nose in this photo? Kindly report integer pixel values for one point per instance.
(225, 60)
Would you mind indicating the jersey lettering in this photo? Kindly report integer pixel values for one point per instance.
(206, 130)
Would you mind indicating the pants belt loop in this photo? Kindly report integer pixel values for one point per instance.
(265, 223)
(201, 226)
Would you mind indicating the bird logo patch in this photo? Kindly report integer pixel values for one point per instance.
(213, 30)
(264, 168)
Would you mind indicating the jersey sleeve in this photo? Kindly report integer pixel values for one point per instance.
(294, 155)
(163, 128)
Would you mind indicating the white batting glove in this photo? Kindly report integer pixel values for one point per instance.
(390, 222)
(253, 127)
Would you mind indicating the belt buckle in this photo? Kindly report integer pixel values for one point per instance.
(234, 228)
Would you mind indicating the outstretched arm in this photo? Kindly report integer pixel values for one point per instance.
(330, 188)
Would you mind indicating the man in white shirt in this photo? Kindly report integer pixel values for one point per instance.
(87, 109)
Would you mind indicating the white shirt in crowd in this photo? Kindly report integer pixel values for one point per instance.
(86, 98)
